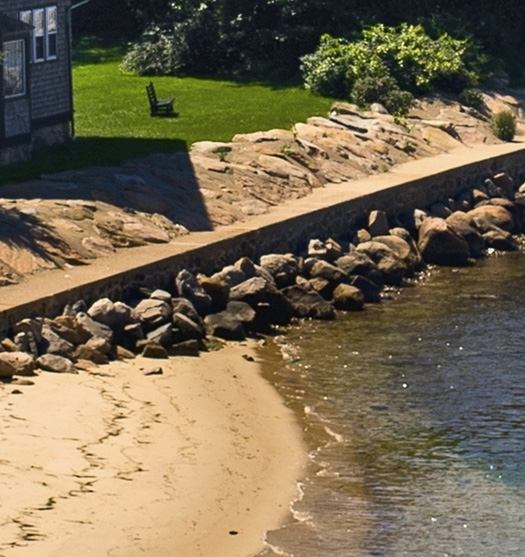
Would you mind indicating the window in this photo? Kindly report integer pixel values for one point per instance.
(45, 24)
(14, 69)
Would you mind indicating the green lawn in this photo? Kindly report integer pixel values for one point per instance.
(112, 120)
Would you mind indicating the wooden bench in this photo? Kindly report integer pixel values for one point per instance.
(158, 106)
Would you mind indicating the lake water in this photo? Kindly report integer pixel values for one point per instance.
(414, 417)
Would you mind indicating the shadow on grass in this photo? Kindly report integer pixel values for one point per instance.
(87, 151)
(166, 186)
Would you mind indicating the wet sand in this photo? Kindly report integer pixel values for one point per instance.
(200, 460)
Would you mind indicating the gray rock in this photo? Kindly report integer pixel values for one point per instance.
(231, 275)
(184, 306)
(441, 244)
(184, 328)
(392, 267)
(189, 347)
(151, 349)
(461, 223)
(162, 335)
(93, 328)
(348, 298)
(324, 270)
(378, 223)
(53, 343)
(306, 302)
(153, 313)
(371, 292)
(328, 250)
(407, 253)
(188, 287)
(284, 268)
(494, 215)
(100, 344)
(161, 295)
(56, 364)
(218, 289)
(85, 352)
(500, 240)
(243, 312)
(16, 363)
(504, 182)
(224, 325)
(359, 263)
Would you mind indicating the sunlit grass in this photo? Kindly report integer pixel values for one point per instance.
(112, 120)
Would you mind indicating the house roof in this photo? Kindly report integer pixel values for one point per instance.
(12, 26)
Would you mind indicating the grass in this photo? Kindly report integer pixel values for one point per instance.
(112, 120)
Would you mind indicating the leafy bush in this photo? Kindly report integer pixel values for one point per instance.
(471, 97)
(154, 55)
(405, 55)
(386, 91)
(503, 125)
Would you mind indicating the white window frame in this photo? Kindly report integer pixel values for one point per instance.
(10, 63)
(45, 32)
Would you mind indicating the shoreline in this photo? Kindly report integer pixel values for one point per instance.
(115, 462)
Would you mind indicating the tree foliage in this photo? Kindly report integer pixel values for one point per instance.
(388, 65)
(236, 35)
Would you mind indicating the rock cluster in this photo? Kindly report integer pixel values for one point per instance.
(247, 298)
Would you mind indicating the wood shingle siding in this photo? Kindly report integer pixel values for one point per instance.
(44, 113)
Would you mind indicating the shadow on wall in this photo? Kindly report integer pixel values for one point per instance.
(151, 176)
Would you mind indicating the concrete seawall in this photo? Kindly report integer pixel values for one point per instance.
(337, 210)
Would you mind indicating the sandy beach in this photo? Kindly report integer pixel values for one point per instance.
(117, 462)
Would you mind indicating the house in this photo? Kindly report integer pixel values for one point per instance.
(36, 106)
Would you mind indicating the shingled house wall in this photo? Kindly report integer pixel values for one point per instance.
(43, 116)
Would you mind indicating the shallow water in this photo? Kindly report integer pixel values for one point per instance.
(414, 415)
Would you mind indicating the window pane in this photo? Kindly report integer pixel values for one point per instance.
(38, 22)
(14, 70)
(51, 17)
(39, 48)
(25, 16)
(52, 46)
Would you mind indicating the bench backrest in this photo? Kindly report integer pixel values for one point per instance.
(152, 96)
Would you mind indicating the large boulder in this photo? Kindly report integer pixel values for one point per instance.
(16, 363)
(93, 328)
(55, 364)
(153, 313)
(348, 298)
(494, 215)
(359, 263)
(329, 250)
(218, 290)
(53, 343)
(462, 224)
(188, 286)
(439, 243)
(403, 250)
(113, 314)
(284, 268)
(270, 305)
(391, 266)
(185, 328)
(224, 325)
(306, 302)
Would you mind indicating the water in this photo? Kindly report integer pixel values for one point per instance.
(414, 416)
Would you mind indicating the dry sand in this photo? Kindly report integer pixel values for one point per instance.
(198, 461)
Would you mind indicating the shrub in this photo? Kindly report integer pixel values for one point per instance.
(386, 91)
(503, 125)
(405, 55)
(471, 97)
(153, 55)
